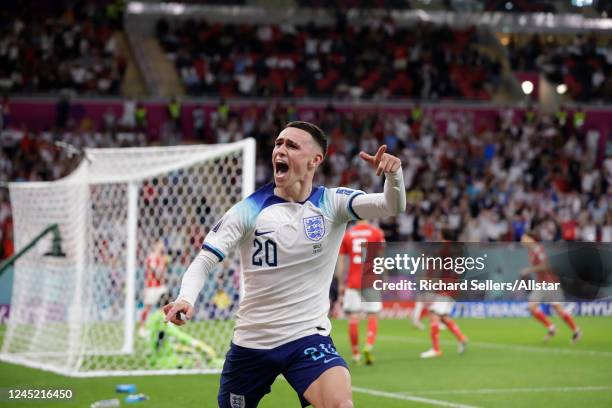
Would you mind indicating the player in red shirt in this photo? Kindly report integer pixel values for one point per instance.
(540, 267)
(443, 302)
(350, 248)
(155, 280)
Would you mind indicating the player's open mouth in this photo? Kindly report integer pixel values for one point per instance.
(281, 168)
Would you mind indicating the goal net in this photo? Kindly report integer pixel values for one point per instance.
(131, 221)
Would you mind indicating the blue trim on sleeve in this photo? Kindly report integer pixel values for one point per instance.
(218, 253)
(349, 206)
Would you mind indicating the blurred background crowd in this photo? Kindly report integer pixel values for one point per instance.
(541, 162)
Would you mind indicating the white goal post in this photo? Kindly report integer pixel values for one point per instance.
(78, 315)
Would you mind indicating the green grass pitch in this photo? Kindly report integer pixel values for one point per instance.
(506, 365)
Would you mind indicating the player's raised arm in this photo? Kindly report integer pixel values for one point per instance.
(383, 162)
(393, 199)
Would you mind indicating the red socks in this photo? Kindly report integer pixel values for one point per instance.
(372, 329)
(452, 326)
(354, 335)
(435, 335)
(569, 320)
(423, 313)
(539, 315)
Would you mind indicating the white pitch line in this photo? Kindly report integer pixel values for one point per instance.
(512, 390)
(535, 349)
(402, 396)
(412, 398)
(503, 346)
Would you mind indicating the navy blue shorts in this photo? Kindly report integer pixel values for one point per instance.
(249, 373)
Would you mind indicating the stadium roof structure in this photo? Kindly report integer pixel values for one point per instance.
(507, 22)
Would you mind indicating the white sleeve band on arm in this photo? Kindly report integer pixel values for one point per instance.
(391, 202)
(193, 279)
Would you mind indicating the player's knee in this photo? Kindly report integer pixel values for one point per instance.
(341, 400)
(344, 403)
(333, 401)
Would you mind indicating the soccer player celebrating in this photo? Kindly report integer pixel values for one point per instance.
(540, 267)
(360, 233)
(288, 234)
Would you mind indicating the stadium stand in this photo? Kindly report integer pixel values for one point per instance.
(45, 49)
(530, 169)
(528, 172)
(582, 62)
(426, 61)
(500, 111)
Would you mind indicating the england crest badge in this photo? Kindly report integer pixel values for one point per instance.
(314, 227)
(237, 401)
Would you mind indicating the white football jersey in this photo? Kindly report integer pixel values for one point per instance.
(288, 253)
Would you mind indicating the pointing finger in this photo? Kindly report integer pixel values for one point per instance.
(367, 157)
(379, 154)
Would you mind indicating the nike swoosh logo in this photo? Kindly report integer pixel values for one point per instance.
(260, 233)
(327, 360)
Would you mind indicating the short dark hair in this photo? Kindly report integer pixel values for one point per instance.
(316, 132)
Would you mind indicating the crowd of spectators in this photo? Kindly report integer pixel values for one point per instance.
(49, 155)
(44, 49)
(583, 64)
(527, 172)
(377, 59)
